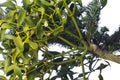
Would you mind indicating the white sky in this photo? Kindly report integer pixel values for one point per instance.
(110, 17)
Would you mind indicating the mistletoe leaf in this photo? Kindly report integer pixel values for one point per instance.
(18, 42)
(8, 4)
(33, 44)
(103, 3)
(21, 17)
(15, 70)
(2, 77)
(46, 3)
(26, 3)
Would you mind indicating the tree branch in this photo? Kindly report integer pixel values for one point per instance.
(105, 54)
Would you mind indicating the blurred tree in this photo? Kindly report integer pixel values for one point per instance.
(25, 30)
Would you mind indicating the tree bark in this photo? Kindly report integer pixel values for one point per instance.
(105, 54)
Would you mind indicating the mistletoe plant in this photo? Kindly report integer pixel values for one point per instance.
(25, 30)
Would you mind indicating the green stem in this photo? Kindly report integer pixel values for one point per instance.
(73, 19)
(76, 25)
(68, 61)
(74, 8)
(73, 35)
(65, 62)
(66, 41)
(83, 69)
(64, 53)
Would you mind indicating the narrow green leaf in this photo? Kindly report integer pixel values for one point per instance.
(2, 77)
(26, 3)
(9, 69)
(9, 36)
(25, 60)
(100, 77)
(40, 32)
(5, 26)
(1, 13)
(8, 4)
(21, 17)
(103, 3)
(80, 2)
(9, 16)
(46, 3)
(2, 33)
(80, 75)
(26, 28)
(102, 66)
(42, 10)
(2, 63)
(29, 21)
(17, 71)
(7, 63)
(33, 44)
(58, 30)
(64, 20)
(18, 42)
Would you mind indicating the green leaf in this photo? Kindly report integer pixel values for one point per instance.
(21, 17)
(2, 63)
(1, 11)
(7, 62)
(8, 4)
(5, 26)
(42, 10)
(100, 77)
(8, 36)
(9, 16)
(102, 66)
(31, 77)
(26, 29)
(18, 43)
(25, 60)
(64, 19)
(58, 30)
(2, 33)
(16, 69)
(26, 3)
(81, 75)
(33, 45)
(46, 3)
(40, 32)
(80, 2)
(103, 3)
(29, 21)
(2, 77)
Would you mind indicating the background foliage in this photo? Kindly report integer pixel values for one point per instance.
(26, 30)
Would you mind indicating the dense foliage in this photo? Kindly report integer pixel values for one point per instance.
(25, 30)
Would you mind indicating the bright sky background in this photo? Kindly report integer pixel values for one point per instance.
(110, 17)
